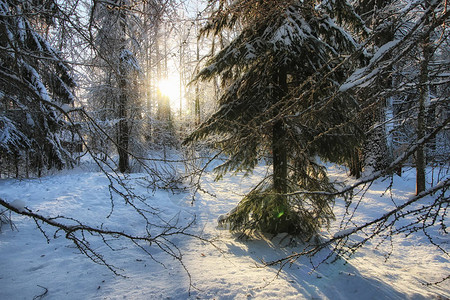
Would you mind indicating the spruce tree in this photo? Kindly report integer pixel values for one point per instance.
(35, 87)
(116, 93)
(279, 101)
(373, 156)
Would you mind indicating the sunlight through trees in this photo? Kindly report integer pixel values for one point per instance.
(160, 93)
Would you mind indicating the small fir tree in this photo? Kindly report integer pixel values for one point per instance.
(279, 101)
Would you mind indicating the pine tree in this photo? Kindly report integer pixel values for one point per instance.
(281, 102)
(36, 83)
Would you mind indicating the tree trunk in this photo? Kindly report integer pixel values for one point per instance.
(181, 78)
(148, 72)
(355, 164)
(373, 151)
(421, 117)
(159, 96)
(280, 170)
(123, 134)
(197, 91)
(421, 123)
(279, 158)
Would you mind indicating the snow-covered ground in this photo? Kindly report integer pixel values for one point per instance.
(29, 266)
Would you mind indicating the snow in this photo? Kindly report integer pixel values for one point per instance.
(344, 232)
(21, 29)
(129, 61)
(293, 29)
(250, 53)
(362, 77)
(30, 120)
(36, 80)
(66, 108)
(19, 205)
(10, 137)
(228, 270)
(383, 50)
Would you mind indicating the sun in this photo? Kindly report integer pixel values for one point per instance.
(170, 88)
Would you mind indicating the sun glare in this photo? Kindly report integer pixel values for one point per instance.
(171, 89)
(168, 88)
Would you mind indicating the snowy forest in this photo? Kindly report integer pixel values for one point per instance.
(224, 149)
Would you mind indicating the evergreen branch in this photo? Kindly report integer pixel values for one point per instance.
(378, 174)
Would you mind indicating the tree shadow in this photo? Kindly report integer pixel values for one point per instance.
(333, 279)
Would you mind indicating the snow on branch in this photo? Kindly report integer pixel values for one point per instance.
(128, 61)
(363, 77)
(372, 177)
(11, 138)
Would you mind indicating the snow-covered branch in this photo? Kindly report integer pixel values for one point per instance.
(412, 148)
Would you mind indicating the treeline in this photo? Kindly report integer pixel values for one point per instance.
(83, 77)
(294, 83)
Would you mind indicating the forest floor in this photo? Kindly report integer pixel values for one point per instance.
(31, 268)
